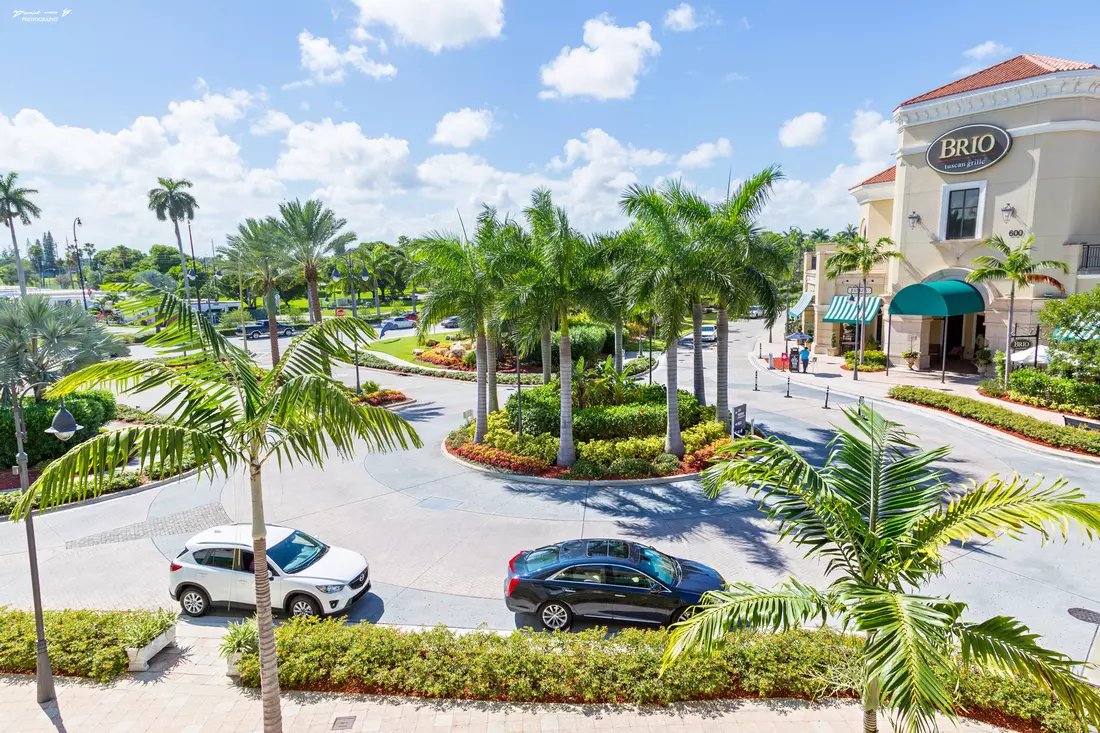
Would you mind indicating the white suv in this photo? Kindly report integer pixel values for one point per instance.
(308, 577)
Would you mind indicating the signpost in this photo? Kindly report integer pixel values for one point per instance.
(859, 290)
(340, 313)
(740, 412)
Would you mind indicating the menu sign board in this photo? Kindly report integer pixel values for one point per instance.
(968, 149)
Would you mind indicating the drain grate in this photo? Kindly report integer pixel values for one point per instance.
(344, 722)
(1084, 614)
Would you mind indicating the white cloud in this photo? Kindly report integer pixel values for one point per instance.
(983, 55)
(596, 146)
(340, 155)
(463, 128)
(873, 137)
(272, 121)
(327, 63)
(681, 18)
(734, 76)
(745, 23)
(435, 24)
(704, 155)
(806, 129)
(605, 67)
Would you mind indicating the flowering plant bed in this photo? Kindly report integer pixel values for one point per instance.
(382, 397)
(502, 459)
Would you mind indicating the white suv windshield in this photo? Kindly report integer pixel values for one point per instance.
(297, 552)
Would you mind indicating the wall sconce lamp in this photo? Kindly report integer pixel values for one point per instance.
(1007, 212)
(914, 219)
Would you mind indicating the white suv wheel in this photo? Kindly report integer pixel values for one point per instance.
(193, 602)
(303, 606)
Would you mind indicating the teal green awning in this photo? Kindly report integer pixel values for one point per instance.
(803, 301)
(1080, 331)
(938, 299)
(846, 310)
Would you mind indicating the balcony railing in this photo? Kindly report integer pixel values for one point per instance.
(1090, 259)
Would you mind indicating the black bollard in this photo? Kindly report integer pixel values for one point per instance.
(826, 397)
(788, 395)
(756, 382)
(760, 354)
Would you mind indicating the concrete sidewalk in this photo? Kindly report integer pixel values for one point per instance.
(187, 692)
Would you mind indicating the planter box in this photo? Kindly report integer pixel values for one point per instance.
(231, 663)
(139, 658)
(833, 351)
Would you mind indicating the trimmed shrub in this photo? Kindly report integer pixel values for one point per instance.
(606, 451)
(1057, 436)
(703, 434)
(641, 365)
(1053, 390)
(469, 359)
(872, 359)
(501, 459)
(586, 339)
(702, 458)
(91, 410)
(125, 413)
(631, 468)
(456, 438)
(666, 464)
(992, 387)
(82, 643)
(586, 470)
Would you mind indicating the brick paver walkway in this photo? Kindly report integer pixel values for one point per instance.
(188, 692)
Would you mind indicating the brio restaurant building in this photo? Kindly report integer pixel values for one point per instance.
(1012, 150)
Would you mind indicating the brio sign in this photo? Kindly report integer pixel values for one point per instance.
(968, 149)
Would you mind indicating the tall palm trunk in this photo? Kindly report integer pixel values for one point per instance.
(862, 319)
(183, 259)
(722, 413)
(566, 451)
(19, 259)
(314, 296)
(377, 304)
(1008, 341)
(491, 374)
(413, 288)
(272, 328)
(870, 705)
(269, 660)
(481, 426)
(697, 339)
(674, 442)
(618, 344)
(547, 354)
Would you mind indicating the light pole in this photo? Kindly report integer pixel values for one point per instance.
(354, 309)
(189, 272)
(63, 427)
(79, 268)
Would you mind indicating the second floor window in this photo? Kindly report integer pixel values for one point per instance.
(962, 213)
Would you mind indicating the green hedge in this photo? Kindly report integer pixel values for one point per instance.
(91, 409)
(1054, 390)
(376, 362)
(81, 642)
(121, 481)
(1058, 436)
(643, 416)
(872, 359)
(591, 667)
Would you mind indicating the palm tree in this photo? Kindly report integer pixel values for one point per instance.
(228, 415)
(819, 235)
(462, 283)
(377, 260)
(847, 234)
(1021, 270)
(859, 255)
(876, 514)
(796, 238)
(671, 265)
(312, 233)
(172, 201)
(260, 249)
(15, 204)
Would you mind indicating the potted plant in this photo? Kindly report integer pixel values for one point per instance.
(911, 358)
(834, 350)
(983, 359)
(240, 637)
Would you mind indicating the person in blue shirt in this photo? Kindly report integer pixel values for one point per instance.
(805, 354)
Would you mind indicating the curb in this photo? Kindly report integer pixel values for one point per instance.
(116, 494)
(655, 481)
(1001, 437)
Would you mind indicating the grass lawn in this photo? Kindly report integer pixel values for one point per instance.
(401, 347)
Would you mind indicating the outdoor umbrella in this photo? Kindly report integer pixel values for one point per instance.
(799, 337)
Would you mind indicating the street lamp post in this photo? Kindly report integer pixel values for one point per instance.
(354, 310)
(63, 428)
(79, 267)
(189, 272)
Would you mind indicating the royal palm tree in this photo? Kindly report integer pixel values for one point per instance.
(819, 235)
(671, 266)
(228, 415)
(796, 238)
(1021, 270)
(878, 514)
(847, 234)
(171, 200)
(377, 258)
(260, 249)
(16, 204)
(312, 232)
(859, 255)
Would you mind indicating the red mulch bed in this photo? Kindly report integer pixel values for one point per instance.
(9, 480)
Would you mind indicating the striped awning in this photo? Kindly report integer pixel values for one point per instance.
(803, 301)
(846, 310)
(1079, 332)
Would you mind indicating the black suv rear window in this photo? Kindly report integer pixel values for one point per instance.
(541, 558)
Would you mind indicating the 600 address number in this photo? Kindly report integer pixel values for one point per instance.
(1015, 232)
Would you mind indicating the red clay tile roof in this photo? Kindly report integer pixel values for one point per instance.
(886, 176)
(1022, 67)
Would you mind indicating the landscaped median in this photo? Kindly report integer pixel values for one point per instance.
(591, 667)
(1030, 428)
(633, 367)
(82, 643)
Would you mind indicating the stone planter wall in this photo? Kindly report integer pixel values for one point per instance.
(139, 658)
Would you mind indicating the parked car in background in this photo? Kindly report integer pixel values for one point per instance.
(397, 322)
(611, 580)
(756, 311)
(451, 322)
(308, 577)
(709, 333)
(259, 329)
(409, 315)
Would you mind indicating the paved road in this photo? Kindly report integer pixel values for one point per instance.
(438, 535)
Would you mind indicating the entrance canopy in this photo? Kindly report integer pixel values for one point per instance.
(803, 300)
(937, 299)
(845, 309)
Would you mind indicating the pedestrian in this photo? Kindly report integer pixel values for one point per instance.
(783, 365)
(805, 354)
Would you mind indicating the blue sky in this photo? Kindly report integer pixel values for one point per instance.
(398, 112)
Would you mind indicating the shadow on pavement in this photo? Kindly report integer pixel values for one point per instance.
(420, 412)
